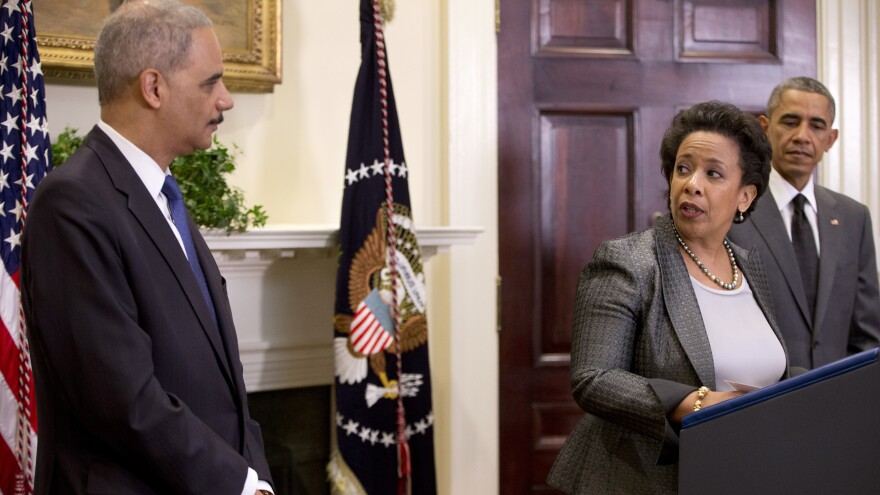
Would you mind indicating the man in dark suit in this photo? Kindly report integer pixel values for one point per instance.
(136, 363)
(817, 245)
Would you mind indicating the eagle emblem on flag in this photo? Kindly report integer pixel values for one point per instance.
(371, 330)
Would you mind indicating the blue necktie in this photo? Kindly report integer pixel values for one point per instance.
(179, 217)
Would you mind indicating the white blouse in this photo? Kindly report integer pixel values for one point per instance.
(744, 348)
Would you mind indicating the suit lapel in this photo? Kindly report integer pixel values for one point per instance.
(829, 245)
(770, 226)
(225, 323)
(144, 209)
(681, 303)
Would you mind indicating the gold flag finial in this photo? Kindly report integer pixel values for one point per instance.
(386, 7)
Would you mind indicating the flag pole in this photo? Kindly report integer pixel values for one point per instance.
(24, 483)
(384, 418)
(404, 466)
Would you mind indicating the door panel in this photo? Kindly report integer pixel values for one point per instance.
(586, 90)
(574, 145)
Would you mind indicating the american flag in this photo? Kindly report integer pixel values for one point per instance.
(25, 158)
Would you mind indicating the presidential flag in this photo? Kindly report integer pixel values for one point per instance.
(384, 420)
(24, 161)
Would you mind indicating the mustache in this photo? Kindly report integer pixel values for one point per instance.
(218, 120)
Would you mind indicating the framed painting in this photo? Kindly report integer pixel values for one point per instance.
(249, 32)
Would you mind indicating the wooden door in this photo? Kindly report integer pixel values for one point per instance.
(586, 90)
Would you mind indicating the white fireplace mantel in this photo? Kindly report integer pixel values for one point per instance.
(284, 241)
(281, 284)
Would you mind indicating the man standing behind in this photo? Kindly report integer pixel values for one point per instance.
(138, 376)
(817, 245)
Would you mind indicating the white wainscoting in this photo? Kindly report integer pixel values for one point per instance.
(282, 286)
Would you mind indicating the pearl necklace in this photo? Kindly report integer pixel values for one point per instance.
(705, 270)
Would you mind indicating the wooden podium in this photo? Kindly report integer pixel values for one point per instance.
(817, 433)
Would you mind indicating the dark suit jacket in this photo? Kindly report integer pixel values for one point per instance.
(637, 322)
(847, 318)
(138, 391)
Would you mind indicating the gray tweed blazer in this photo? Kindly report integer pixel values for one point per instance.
(636, 322)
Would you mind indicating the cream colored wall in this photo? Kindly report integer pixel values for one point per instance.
(442, 59)
(294, 140)
(472, 168)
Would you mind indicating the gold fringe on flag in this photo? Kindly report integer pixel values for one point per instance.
(342, 480)
(386, 8)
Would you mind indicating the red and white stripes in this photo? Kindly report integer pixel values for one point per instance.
(26, 417)
(367, 334)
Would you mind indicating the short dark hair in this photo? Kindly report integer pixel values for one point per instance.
(800, 83)
(140, 35)
(727, 120)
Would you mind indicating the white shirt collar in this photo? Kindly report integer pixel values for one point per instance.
(146, 168)
(783, 192)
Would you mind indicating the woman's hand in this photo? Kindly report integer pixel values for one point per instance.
(686, 406)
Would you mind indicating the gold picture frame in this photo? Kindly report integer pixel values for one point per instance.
(249, 32)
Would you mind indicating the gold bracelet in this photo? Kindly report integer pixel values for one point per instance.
(701, 394)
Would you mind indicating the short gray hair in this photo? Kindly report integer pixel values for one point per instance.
(801, 83)
(143, 34)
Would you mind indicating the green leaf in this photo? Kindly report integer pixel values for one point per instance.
(65, 144)
(211, 202)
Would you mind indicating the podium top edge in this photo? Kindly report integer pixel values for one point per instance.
(819, 374)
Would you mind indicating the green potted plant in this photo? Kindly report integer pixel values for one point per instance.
(212, 202)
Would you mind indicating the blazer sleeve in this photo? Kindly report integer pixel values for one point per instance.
(96, 354)
(611, 296)
(865, 327)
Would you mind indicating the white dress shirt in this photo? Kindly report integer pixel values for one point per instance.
(148, 170)
(784, 193)
(744, 348)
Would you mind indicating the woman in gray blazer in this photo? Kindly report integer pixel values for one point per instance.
(672, 318)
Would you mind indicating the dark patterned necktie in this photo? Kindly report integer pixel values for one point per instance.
(805, 249)
(179, 217)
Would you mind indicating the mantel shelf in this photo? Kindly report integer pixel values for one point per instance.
(281, 285)
(285, 241)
